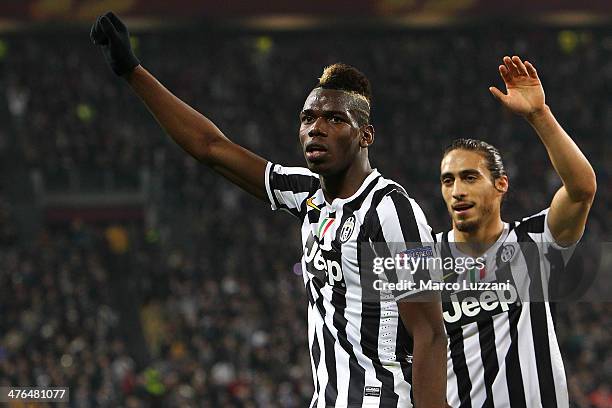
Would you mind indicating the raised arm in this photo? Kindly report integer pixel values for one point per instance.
(570, 205)
(195, 133)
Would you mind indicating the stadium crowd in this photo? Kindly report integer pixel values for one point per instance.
(220, 307)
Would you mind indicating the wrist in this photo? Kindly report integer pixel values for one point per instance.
(133, 73)
(538, 115)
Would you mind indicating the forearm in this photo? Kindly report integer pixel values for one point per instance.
(570, 163)
(429, 370)
(187, 127)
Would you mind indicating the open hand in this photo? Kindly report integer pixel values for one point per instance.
(525, 95)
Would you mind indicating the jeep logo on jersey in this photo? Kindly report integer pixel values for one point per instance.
(347, 229)
(469, 305)
(325, 265)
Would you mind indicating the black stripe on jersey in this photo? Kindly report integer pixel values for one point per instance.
(374, 229)
(370, 321)
(516, 390)
(410, 230)
(313, 215)
(488, 353)
(464, 384)
(559, 286)
(531, 255)
(503, 273)
(407, 372)
(542, 355)
(316, 357)
(331, 388)
(537, 310)
(533, 225)
(408, 223)
(402, 338)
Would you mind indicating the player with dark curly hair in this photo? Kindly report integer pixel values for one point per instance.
(366, 350)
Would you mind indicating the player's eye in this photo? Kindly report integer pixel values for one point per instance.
(336, 119)
(471, 178)
(447, 181)
(306, 118)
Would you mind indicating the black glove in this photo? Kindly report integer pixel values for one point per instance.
(112, 35)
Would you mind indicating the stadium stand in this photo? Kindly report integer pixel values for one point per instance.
(201, 306)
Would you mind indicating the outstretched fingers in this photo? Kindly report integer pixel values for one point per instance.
(520, 66)
(497, 93)
(531, 70)
(511, 67)
(505, 74)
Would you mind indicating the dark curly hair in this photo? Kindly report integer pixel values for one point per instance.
(346, 78)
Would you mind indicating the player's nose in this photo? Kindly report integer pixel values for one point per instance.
(458, 191)
(318, 128)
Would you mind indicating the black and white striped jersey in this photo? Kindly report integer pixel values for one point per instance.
(360, 351)
(503, 350)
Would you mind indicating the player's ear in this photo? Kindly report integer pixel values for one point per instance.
(367, 136)
(502, 184)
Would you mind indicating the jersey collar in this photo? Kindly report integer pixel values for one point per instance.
(492, 249)
(338, 202)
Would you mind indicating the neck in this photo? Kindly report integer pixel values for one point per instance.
(476, 242)
(346, 183)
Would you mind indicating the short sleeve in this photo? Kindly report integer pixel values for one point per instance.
(537, 227)
(289, 187)
(548, 236)
(538, 224)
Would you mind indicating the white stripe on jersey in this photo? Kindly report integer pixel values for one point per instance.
(322, 377)
(287, 197)
(474, 364)
(355, 356)
(531, 358)
(502, 344)
(526, 348)
(313, 365)
(557, 360)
